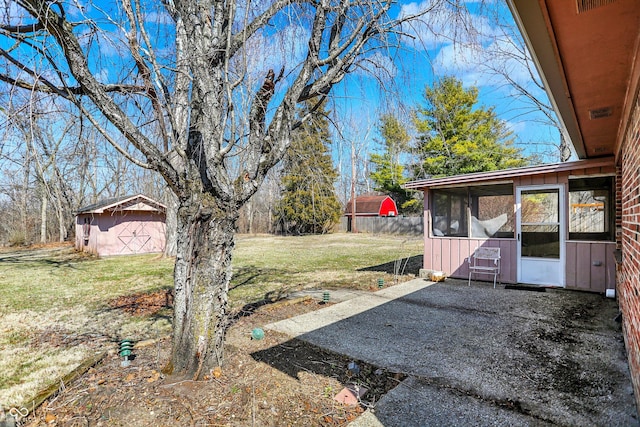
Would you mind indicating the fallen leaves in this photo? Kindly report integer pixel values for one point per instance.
(143, 304)
(271, 382)
(155, 376)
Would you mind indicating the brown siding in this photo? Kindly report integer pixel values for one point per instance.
(537, 180)
(551, 178)
(628, 282)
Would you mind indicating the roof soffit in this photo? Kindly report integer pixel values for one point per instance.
(586, 60)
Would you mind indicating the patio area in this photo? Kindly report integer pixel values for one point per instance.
(482, 356)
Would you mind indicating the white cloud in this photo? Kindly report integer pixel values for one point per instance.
(379, 66)
(109, 43)
(78, 8)
(14, 14)
(457, 58)
(103, 75)
(467, 45)
(489, 65)
(517, 128)
(160, 18)
(442, 24)
(286, 48)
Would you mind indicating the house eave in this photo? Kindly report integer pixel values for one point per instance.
(506, 175)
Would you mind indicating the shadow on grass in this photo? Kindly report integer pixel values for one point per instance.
(46, 257)
(154, 305)
(410, 265)
(252, 275)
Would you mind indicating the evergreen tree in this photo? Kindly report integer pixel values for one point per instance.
(456, 138)
(309, 203)
(388, 173)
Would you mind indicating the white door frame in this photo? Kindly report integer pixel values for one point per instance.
(541, 271)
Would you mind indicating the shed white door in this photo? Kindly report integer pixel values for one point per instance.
(540, 225)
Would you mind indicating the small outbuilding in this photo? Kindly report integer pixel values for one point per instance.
(554, 224)
(122, 226)
(372, 205)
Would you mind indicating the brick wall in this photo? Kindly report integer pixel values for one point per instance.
(628, 277)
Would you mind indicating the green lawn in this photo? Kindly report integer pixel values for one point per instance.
(53, 301)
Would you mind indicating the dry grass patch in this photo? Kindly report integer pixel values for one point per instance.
(58, 307)
(268, 266)
(54, 312)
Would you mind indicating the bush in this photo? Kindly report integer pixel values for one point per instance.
(17, 238)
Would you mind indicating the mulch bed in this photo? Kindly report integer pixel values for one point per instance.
(275, 381)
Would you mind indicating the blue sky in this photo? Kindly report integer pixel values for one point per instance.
(440, 48)
(394, 79)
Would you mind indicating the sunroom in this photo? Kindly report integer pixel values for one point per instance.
(555, 224)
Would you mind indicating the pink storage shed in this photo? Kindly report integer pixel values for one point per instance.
(554, 224)
(121, 226)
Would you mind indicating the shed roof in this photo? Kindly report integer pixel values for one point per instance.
(367, 204)
(508, 174)
(137, 202)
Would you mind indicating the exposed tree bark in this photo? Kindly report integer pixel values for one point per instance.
(171, 224)
(26, 169)
(202, 275)
(564, 148)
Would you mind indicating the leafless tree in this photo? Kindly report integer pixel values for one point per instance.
(63, 166)
(187, 100)
(39, 154)
(510, 48)
(506, 60)
(257, 215)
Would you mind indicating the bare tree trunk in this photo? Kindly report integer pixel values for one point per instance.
(565, 149)
(43, 218)
(171, 224)
(195, 109)
(250, 214)
(202, 275)
(354, 229)
(24, 196)
(62, 227)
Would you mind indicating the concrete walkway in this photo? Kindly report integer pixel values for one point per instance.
(482, 356)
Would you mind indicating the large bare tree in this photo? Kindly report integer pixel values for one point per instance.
(183, 94)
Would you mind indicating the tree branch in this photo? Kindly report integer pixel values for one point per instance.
(62, 31)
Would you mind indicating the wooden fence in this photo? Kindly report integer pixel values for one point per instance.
(413, 226)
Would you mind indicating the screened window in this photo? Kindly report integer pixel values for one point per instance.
(591, 209)
(449, 212)
(492, 212)
(490, 206)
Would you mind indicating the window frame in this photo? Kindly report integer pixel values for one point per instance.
(450, 193)
(498, 189)
(469, 196)
(602, 183)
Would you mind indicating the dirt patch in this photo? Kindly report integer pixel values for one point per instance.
(551, 345)
(274, 381)
(143, 304)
